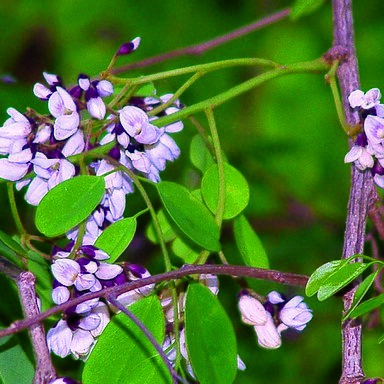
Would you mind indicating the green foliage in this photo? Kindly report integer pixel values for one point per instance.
(249, 244)
(236, 193)
(188, 213)
(116, 238)
(68, 204)
(15, 367)
(210, 338)
(361, 291)
(123, 354)
(199, 154)
(304, 7)
(166, 228)
(333, 276)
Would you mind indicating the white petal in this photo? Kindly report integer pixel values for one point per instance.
(356, 98)
(252, 311)
(74, 145)
(65, 271)
(36, 191)
(267, 334)
(60, 295)
(59, 339)
(108, 271)
(104, 88)
(81, 343)
(96, 108)
(12, 171)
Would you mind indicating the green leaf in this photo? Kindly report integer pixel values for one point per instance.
(342, 277)
(361, 291)
(185, 251)
(236, 190)
(190, 215)
(249, 244)
(368, 306)
(166, 228)
(115, 239)
(321, 274)
(15, 367)
(124, 355)
(38, 266)
(305, 7)
(68, 204)
(210, 338)
(12, 244)
(199, 154)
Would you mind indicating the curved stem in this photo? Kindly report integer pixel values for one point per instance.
(198, 49)
(186, 270)
(220, 166)
(316, 66)
(203, 68)
(15, 212)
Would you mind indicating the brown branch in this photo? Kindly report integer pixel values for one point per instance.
(201, 48)
(361, 193)
(231, 270)
(45, 371)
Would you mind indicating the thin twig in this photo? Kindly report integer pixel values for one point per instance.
(186, 270)
(361, 193)
(201, 48)
(45, 371)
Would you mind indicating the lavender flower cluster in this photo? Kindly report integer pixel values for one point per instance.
(37, 152)
(368, 149)
(276, 315)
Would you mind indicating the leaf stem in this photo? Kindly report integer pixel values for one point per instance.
(14, 210)
(315, 66)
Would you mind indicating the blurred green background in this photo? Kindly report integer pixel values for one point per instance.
(284, 136)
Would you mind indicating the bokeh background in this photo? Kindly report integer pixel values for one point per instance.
(284, 137)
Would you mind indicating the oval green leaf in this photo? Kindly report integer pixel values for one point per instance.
(115, 239)
(342, 277)
(185, 251)
(361, 291)
(190, 215)
(68, 204)
(210, 338)
(199, 154)
(236, 190)
(368, 306)
(12, 244)
(249, 244)
(124, 355)
(15, 366)
(321, 274)
(166, 228)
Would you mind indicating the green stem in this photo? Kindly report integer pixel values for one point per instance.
(147, 200)
(15, 212)
(220, 167)
(204, 68)
(316, 66)
(331, 77)
(176, 95)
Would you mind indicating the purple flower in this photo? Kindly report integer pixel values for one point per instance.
(78, 333)
(251, 310)
(366, 100)
(136, 123)
(129, 47)
(14, 132)
(63, 108)
(295, 314)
